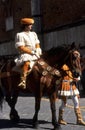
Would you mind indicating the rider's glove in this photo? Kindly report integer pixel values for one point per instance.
(38, 51)
(33, 52)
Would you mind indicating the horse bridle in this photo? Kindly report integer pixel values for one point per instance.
(76, 55)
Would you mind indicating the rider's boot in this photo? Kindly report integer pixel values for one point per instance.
(25, 71)
(22, 83)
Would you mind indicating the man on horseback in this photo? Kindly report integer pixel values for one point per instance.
(28, 45)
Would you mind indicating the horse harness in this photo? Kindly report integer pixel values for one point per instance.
(46, 69)
(48, 73)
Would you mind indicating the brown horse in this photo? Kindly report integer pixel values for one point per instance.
(43, 78)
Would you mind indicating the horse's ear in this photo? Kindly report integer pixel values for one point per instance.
(73, 45)
(79, 46)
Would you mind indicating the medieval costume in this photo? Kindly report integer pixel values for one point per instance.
(28, 46)
(68, 88)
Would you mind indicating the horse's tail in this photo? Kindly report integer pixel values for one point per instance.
(1, 98)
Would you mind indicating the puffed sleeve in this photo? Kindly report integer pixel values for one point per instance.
(19, 40)
(36, 38)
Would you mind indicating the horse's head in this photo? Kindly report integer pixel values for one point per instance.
(64, 54)
(73, 61)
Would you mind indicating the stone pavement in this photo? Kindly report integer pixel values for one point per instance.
(25, 107)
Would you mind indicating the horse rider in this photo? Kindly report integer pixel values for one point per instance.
(28, 46)
(68, 89)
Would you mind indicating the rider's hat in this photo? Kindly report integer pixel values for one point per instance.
(27, 21)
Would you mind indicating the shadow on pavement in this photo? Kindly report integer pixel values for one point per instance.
(23, 123)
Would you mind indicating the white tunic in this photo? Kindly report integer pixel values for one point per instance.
(27, 39)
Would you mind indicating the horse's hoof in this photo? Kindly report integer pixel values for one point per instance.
(14, 119)
(57, 127)
(36, 125)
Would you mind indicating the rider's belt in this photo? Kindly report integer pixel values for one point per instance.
(71, 82)
(66, 81)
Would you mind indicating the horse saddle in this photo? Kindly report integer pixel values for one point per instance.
(19, 70)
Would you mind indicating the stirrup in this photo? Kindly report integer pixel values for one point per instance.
(22, 85)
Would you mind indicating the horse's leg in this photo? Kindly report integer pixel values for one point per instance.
(13, 113)
(53, 110)
(11, 100)
(37, 108)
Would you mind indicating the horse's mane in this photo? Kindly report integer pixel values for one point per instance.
(56, 50)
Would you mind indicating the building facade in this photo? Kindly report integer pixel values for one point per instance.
(56, 22)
